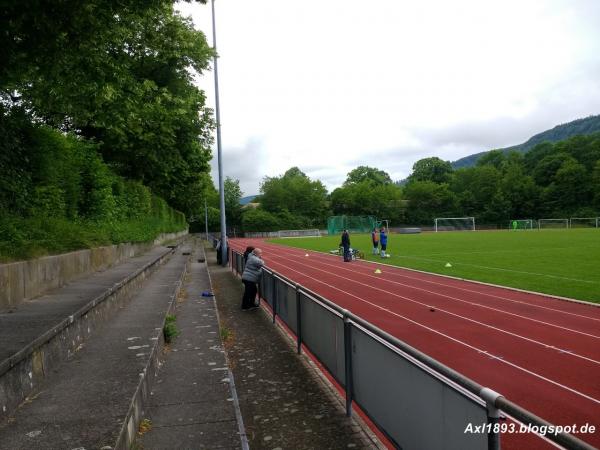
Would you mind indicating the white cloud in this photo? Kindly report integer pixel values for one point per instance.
(336, 84)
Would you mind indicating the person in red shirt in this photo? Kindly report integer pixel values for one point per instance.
(375, 240)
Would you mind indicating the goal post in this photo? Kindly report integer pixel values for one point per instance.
(520, 224)
(584, 222)
(554, 224)
(454, 224)
(383, 223)
(298, 233)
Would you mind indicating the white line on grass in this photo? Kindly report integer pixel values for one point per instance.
(558, 277)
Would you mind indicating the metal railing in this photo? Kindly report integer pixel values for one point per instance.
(416, 401)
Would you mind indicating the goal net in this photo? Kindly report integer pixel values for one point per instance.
(454, 224)
(545, 224)
(520, 224)
(298, 233)
(584, 222)
(355, 224)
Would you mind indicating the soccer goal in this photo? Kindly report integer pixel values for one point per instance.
(584, 222)
(454, 224)
(520, 224)
(298, 233)
(557, 224)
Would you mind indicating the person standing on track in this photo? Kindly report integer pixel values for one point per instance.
(250, 277)
(345, 244)
(375, 240)
(383, 240)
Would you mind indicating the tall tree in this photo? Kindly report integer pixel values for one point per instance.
(233, 195)
(366, 173)
(493, 158)
(296, 193)
(428, 200)
(431, 169)
(475, 187)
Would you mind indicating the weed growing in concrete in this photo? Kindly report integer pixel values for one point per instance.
(226, 334)
(145, 426)
(170, 330)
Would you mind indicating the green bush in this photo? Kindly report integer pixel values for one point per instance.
(257, 219)
(57, 195)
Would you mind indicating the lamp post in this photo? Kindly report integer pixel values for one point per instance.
(219, 158)
(206, 219)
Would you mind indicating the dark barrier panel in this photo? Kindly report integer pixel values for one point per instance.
(286, 303)
(415, 407)
(323, 334)
(266, 287)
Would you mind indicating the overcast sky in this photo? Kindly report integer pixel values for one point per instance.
(328, 85)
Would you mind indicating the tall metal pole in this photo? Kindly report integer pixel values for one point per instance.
(206, 218)
(219, 158)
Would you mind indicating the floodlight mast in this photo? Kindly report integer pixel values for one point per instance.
(219, 158)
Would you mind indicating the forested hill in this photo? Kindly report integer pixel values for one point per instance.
(247, 199)
(584, 126)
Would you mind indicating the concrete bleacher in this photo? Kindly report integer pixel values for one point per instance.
(84, 364)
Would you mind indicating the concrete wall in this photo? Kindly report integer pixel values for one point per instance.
(23, 280)
(23, 373)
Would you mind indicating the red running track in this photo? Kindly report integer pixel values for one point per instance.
(539, 352)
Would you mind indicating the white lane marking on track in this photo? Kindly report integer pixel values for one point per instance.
(534, 374)
(398, 271)
(464, 301)
(547, 346)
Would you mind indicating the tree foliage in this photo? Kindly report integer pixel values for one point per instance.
(233, 209)
(366, 198)
(366, 173)
(57, 195)
(559, 179)
(431, 169)
(580, 127)
(118, 74)
(295, 193)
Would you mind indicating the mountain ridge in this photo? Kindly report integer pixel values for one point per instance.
(583, 126)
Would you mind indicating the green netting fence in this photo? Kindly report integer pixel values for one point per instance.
(356, 224)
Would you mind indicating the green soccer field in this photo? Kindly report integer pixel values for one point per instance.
(558, 262)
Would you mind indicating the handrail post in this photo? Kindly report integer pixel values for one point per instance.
(493, 417)
(298, 319)
(348, 361)
(274, 294)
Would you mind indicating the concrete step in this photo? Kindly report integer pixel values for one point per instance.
(34, 317)
(39, 334)
(88, 400)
